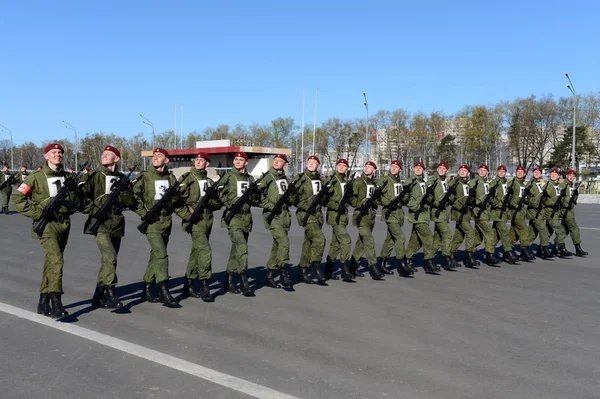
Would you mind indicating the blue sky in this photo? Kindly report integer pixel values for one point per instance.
(99, 64)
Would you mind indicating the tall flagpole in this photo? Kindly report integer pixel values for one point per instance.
(302, 141)
(315, 120)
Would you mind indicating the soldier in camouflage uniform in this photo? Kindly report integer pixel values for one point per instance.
(462, 201)
(148, 188)
(535, 214)
(31, 200)
(309, 185)
(231, 187)
(443, 187)
(341, 244)
(6, 180)
(277, 219)
(193, 186)
(22, 175)
(364, 219)
(553, 219)
(85, 175)
(421, 235)
(569, 200)
(111, 229)
(519, 230)
(481, 214)
(392, 200)
(500, 214)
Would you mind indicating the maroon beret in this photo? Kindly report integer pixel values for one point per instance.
(397, 163)
(282, 156)
(342, 160)
(538, 169)
(53, 146)
(465, 167)
(371, 163)
(421, 164)
(114, 150)
(554, 170)
(502, 167)
(571, 172)
(444, 164)
(316, 158)
(161, 151)
(521, 167)
(484, 166)
(203, 155)
(241, 154)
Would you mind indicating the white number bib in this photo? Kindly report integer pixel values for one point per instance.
(160, 186)
(486, 188)
(521, 191)
(343, 187)
(6, 177)
(23, 177)
(423, 189)
(445, 186)
(109, 181)
(370, 190)
(316, 186)
(282, 186)
(242, 186)
(571, 191)
(465, 189)
(504, 189)
(539, 186)
(557, 189)
(54, 184)
(203, 187)
(397, 189)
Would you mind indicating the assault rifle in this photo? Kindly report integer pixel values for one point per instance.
(486, 201)
(237, 205)
(526, 193)
(316, 201)
(542, 198)
(556, 206)
(425, 200)
(446, 199)
(102, 214)
(574, 195)
(198, 213)
(506, 201)
(396, 202)
(348, 190)
(465, 208)
(154, 213)
(369, 203)
(8, 179)
(50, 212)
(283, 199)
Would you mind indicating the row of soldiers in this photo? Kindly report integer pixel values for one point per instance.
(50, 195)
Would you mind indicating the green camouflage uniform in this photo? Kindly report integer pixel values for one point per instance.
(463, 231)
(192, 187)
(29, 200)
(112, 229)
(499, 217)
(363, 189)
(148, 188)
(231, 187)
(341, 244)
(442, 236)
(394, 239)
(483, 230)
(8, 180)
(552, 210)
(537, 220)
(519, 230)
(568, 212)
(313, 245)
(272, 187)
(420, 235)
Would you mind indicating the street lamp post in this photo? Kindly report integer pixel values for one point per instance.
(71, 127)
(147, 122)
(12, 146)
(572, 88)
(366, 129)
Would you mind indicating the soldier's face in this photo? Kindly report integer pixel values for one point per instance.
(442, 170)
(537, 174)
(341, 168)
(571, 177)
(278, 163)
(23, 169)
(418, 170)
(462, 172)
(109, 158)
(200, 163)
(394, 169)
(369, 170)
(554, 176)
(520, 174)
(159, 160)
(482, 172)
(501, 173)
(312, 165)
(54, 157)
(239, 163)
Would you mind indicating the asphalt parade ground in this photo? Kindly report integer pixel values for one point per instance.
(516, 331)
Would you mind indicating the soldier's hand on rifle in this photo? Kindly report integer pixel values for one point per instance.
(121, 185)
(47, 214)
(70, 183)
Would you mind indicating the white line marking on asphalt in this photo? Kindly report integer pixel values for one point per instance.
(589, 228)
(226, 380)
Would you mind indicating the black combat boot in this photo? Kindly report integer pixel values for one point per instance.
(354, 268)
(474, 259)
(470, 261)
(538, 253)
(231, 283)
(205, 291)
(526, 255)
(58, 310)
(346, 273)
(5, 210)
(270, 279)
(562, 251)
(329, 269)
(317, 274)
(284, 278)
(98, 298)
(305, 276)
(244, 284)
(111, 299)
(554, 249)
(410, 265)
(148, 294)
(165, 296)
(579, 251)
(44, 305)
(188, 288)
(455, 263)
(374, 272)
(448, 263)
(404, 269)
(430, 267)
(491, 260)
(509, 258)
(546, 254)
(382, 267)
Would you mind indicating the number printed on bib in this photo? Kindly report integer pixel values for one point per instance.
(504, 189)
(445, 186)
(282, 185)
(316, 186)
(343, 187)
(571, 191)
(203, 187)
(397, 189)
(521, 191)
(6, 177)
(54, 184)
(160, 186)
(539, 186)
(557, 189)
(23, 177)
(423, 189)
(242, 186)
(110, 180)
(465, 189)
(370, 190)
(486, 188)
